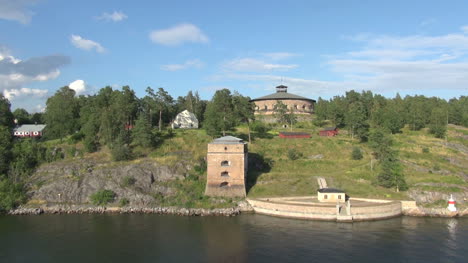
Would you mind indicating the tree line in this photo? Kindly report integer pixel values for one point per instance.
(119, 120)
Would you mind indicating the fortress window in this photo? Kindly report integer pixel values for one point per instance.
(295, 107)
(224, 184)
(225, 148)
(303, 107)
(225, 174)
(266, 107)
(325, 197)
(225, 163)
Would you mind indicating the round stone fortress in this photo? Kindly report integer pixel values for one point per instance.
(300, 105)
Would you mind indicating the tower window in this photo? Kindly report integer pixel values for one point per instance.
(224, 184)
(225, 163)
(225, 174)
(225, 148)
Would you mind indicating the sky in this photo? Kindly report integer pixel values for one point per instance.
(316, 48)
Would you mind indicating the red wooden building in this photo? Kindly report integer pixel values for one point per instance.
(330, 131)
(294, 135)
(29, 130)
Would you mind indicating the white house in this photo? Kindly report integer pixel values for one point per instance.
(185, 120)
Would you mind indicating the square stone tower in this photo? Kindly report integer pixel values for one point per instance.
(226, 167)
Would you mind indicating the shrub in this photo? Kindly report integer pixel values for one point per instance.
(293, 154)
(128, 181)
(259, 127)
(121, 152)
(11, 195)
(124, 202)
(356, 154)
(102, 197)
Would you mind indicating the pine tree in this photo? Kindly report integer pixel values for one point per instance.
(141, 133)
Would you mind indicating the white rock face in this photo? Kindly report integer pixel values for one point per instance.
(185, 120)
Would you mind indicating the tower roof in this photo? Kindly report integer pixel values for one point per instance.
(228, 140)
(282, 94)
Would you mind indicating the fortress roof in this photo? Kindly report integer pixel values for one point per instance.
(282, 94)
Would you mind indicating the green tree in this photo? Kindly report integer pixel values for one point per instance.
(142, 134)
(356, 154)
(21, 116)
(62, 113)
(6, 117)
(280, 112)
(219, 115)
(391, 173)
(244, 110)
(438, 124)
(356, 120)
(5, 149)
(11, 194)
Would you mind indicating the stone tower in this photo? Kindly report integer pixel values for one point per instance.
(226, 167)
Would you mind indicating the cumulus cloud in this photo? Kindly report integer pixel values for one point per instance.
(195, 63)
(383, 64)
(79, 86)
(115, 16)
(16, 10)
(11, 94)
(16, 73)
(255, 65)
(86, 44)
(178, 35)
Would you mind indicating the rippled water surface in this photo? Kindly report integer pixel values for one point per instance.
(246, 238)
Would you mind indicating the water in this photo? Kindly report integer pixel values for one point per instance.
(245, 238)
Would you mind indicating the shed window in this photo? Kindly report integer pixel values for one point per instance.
(325, 197)
(224, 184)
(225, 163)
(225, 174)
(339, 196)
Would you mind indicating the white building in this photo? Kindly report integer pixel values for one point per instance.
(185, 120)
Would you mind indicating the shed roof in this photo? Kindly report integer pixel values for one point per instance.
(30, 128)
(329, 129)
(330, 190)
(228, 140)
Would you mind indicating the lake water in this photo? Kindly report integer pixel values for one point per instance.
(245, 238)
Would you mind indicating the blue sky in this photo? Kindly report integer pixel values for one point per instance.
(317, 48)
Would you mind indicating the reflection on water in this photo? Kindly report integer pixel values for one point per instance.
(246, 238)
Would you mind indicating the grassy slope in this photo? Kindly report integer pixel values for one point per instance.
(298, 177)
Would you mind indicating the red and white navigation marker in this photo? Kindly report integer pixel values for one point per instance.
(451, 205)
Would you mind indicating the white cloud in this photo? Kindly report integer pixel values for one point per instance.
(255, 65)
(12, 94)
(16, 10)
(86, 44)
(280, 55)
(464, 29)
(115, 16)
(178, 35)
(79, 86)
(195, 63)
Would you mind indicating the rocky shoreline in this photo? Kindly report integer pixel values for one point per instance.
(128, 210)
(233, 211)
(435, 212)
